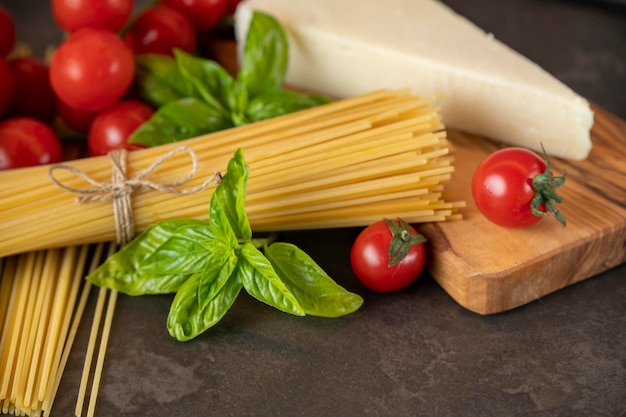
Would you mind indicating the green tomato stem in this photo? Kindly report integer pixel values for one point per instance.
(401, 241)
(544, 186)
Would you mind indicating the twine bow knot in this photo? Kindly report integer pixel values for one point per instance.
(120, 188)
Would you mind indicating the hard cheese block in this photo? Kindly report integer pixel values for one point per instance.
(486, 88)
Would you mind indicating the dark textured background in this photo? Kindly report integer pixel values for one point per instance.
(414, 353)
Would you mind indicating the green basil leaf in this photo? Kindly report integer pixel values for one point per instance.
(211, 81)
(179, 120)
(316, 292)
(222, 262)
(265, 55)
(187, 251)
(280, 102)
(238, 103)
(220, 222)
(261, 281)
(196, 308)
(229, 197)
(158, 80)
(122, 271)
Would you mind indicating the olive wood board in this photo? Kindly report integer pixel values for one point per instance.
(490, 269)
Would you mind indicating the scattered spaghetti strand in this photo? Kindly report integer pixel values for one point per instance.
(36, 316)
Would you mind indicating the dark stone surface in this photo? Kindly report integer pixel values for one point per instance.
(413, 353)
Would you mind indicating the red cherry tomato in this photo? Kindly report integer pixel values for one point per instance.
(6, 85)
(32, 93)
(205, 14)
(506, 183)
(92, 69)
(112, 127)
(77, 120)
(159, 29)
(7, 32)
(381, 269)
(72, 15)
(232, 6)
(28, 142)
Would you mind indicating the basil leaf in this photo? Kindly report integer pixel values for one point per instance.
(278, 103)
(261, 281)
(222, 259)
(179, 120)
(238, 104)
(211, 81)
(185, 252)
(265, 55)
(316, 292)
(158, 80)
(220, 223)
(201, 302)
(229, 197)
(122, 271)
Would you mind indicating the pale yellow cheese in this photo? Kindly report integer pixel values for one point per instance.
(343, 48)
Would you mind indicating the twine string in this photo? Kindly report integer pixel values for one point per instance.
(120, 188)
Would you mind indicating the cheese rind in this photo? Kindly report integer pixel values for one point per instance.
(485, 87)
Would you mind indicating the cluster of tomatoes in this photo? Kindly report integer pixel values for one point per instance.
(86, 87)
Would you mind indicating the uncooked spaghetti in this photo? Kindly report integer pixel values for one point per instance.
(347, 163)
(39, 317)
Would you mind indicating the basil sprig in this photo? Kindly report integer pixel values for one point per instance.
(208, 262)
(194, 95)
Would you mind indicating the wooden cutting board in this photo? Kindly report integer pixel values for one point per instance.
(490, 269)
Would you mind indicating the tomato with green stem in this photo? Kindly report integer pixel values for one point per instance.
(388, 255)
(92, 69)
(514, 187)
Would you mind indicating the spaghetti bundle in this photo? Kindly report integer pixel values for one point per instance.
(347, 163)
(40, 309)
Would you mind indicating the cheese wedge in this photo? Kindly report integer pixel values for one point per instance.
(342, 48)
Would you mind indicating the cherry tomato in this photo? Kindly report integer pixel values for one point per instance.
(388, 255)
(159, 29)
(25, 142)
(77, 120)
(205, 14)
(514, 187)
(232, 6)
(6, 85)
(112, 127)
(7, 32)
(92, 69)
(72, 15)
(31, 79)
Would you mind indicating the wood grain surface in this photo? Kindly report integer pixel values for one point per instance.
(490, 269)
